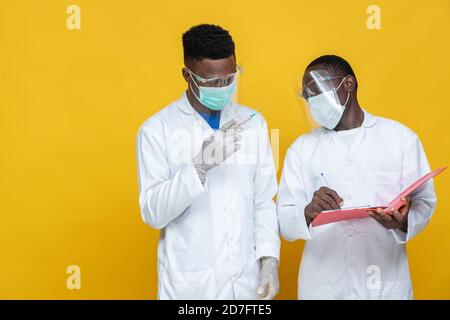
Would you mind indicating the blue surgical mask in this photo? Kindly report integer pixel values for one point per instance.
(215, 98)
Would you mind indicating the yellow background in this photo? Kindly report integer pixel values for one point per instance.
(71, 102)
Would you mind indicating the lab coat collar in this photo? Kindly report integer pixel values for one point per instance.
(369, 119)
(184, 105)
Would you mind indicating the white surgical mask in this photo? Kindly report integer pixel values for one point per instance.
(326, 108)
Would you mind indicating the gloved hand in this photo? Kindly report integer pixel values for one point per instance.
(217, 148)
(268, 284)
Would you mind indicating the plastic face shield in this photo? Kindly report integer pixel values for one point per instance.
(316, 82)
(312, 84)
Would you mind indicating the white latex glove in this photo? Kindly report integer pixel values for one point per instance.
(217, 148)
(268, 284)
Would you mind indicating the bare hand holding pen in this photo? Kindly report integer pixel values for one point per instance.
(323, 199)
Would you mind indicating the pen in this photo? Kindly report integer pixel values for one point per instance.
(324, 180)
(325, 183)
(244, 121)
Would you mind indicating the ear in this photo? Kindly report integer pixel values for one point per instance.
(186, 74)
(350, 83)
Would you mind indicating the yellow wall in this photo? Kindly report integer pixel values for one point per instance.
(71, 102)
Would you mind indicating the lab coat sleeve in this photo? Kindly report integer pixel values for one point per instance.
(292, 200)
(162, 197)
(266, 233)
(415, 165)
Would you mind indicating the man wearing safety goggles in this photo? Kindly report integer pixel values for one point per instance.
(352, 159)
(219, 231)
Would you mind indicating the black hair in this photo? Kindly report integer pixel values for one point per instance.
(207, 41)
(336, 64)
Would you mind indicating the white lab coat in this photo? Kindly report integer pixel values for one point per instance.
(211, 236)
(355, 259)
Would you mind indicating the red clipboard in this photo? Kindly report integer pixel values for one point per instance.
(331, 216)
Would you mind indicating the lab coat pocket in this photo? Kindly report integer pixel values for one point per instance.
(392, 290)
(321, 292)
(249, 281)
(385, 185)
(187, 285)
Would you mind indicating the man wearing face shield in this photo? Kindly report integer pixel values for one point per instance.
(219, 232)
(351, 159)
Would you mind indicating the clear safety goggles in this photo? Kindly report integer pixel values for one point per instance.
(316, 82)
(219, 81)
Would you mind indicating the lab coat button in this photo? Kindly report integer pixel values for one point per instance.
(348, 163)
